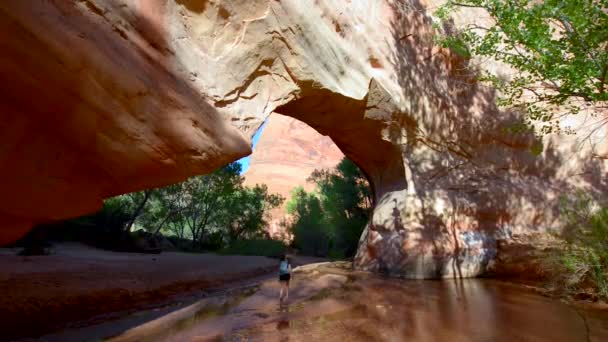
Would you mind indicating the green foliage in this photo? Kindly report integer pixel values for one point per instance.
(264, 247)
(331, 220)
(336, 254)
(559, 49)
(247, 211)
(536, 148)
(105, 228)
(202, 201)
(212, 211)
(114, 215)
(309, 227)
(585, 252)
(346, 202)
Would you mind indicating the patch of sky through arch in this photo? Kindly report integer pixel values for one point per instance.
(245, 160)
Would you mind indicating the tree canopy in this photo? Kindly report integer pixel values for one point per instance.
(330, 220)
(212, 211)
(558, 48)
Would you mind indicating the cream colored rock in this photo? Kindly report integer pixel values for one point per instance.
(101, 97)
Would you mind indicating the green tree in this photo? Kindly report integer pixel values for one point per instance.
(210, 210)
(165, 211)
(309, 227)
(206, 198)
(346, 201)
(559, 49)
(107, 227)
(332, 218)
(114, 215)
(247, 212)
(120, 213)
(138, 202)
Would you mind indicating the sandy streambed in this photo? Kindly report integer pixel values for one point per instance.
(329, 302)
(79, 285)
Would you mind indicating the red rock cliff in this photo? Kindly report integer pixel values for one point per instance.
(285, 156)
(287, 152)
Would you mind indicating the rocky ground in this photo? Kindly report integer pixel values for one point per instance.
(78, 283)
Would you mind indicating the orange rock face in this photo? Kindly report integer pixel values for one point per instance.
(286, 154)
(90, 107)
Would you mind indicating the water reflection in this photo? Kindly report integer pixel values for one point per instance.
(283, 323)
(374, 309)
(454, 310)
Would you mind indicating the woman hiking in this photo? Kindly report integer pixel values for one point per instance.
(284, 277)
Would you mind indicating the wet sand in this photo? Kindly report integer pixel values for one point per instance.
(80, 285)
(331, 303)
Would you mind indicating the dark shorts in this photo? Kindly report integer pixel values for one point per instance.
(284, 277)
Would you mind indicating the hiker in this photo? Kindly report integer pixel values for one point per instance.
(284, 277)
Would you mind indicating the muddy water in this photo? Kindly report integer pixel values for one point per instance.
(334, 305)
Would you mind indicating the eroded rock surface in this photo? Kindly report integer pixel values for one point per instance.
(100, 97)
(92, 105)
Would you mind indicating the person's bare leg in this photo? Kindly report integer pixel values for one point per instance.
(281, 292)
(286, 290)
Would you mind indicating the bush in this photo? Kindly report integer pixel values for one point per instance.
(309, 228)
(269, 248)
(584, 256)
(329, 221)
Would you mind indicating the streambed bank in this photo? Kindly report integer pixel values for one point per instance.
(79, 285)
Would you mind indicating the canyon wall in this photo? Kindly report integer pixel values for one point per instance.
(286, 154)
(101, 97)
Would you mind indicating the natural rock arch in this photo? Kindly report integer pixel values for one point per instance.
(101, 97)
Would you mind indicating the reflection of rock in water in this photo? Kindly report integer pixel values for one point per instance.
(325, 306)
(283, 324)
(394, 310)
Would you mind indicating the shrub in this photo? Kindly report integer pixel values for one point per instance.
(584, 256)
(329, 221)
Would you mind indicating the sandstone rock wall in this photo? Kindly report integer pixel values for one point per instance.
(91, 106)
(286, 154)
(100, 97)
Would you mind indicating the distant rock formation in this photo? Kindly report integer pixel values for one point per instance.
(285, 156)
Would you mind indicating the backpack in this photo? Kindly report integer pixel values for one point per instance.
(284, 267)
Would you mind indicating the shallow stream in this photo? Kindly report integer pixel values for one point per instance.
(336, 305)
